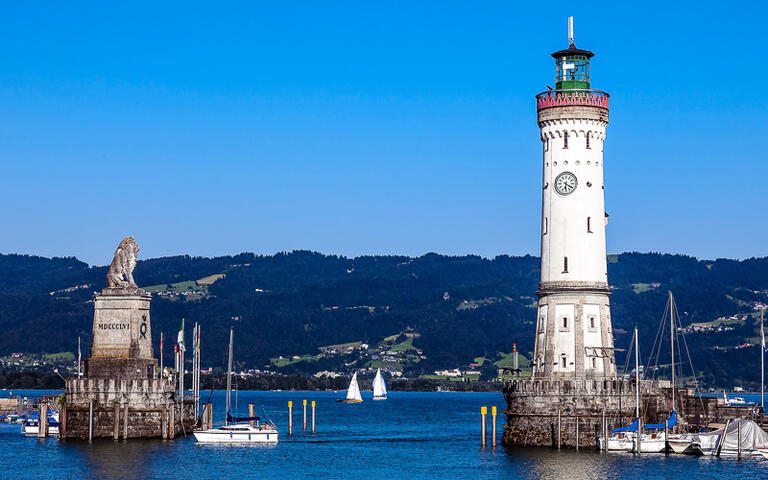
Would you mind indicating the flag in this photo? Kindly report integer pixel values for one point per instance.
(180, 339)
(79, 357)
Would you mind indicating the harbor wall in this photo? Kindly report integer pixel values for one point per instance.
(146, 408)
(546, 412)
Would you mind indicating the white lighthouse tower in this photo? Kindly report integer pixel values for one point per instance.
(574, 337)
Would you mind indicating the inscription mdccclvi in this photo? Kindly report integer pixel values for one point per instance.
(114, 326)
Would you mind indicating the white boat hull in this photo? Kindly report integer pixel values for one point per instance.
(33, 430)
(379, 398)
(619, 444)
(237, 435)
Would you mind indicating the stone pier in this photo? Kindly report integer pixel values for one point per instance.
(534, 407)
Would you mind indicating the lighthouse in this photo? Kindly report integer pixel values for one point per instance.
(573, 327)
(574, 394)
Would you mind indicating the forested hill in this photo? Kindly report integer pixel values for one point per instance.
(450, 310)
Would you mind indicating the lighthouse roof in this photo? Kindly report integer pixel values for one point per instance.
(572, 51)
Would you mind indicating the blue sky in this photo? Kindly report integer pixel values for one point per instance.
(354, 129)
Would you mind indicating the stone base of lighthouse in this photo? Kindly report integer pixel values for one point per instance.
(563, 413)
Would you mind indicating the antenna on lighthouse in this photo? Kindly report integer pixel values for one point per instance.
(570, 30)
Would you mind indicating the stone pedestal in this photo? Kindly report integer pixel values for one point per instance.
(121, 345)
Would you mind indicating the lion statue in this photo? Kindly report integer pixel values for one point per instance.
(120, 274)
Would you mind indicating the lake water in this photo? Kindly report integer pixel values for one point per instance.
(408, 436)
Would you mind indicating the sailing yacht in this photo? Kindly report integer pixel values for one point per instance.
(625, 439)
(353, 392)
(238, 429)
(379, 387)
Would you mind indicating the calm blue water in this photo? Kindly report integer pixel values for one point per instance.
(409, 436)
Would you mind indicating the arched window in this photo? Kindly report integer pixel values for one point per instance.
(588, 139)
(591, 322)
(564, 360)
(565, 264)
(589, 224)
(546, 144)
(565, 140)
(545, 226)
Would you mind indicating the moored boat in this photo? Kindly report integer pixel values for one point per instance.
(682, 443)
(31, 425)
(237, 430)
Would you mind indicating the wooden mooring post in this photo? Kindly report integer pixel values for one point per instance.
(163, 421)
(313, 416)
(493, 426)
(603, 438)
(290, 417)
(42, 430)
(125, 421)
(304, 403)
(559, 411)
(90, 421)
(251, 413)
(116, 431)
(483, 430)
(577, 434)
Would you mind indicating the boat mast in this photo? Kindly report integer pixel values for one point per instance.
(762, 362)
(229, 376)
(637, 381)
(672, 340)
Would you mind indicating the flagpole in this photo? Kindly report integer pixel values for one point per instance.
(161, 353)
(181, 369)
(762, 362)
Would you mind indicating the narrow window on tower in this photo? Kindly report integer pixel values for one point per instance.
(565, 140)
(565, 322)
(565, 264)
(589, 224)
(546, 144)
(587, 139)
(564, 359)
(545, 226)
(594, 363)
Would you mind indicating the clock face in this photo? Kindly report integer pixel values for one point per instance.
(565, 183)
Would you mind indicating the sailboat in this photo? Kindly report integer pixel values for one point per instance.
(353, 392)
(379, 387)
(631, 438)
(237, 429)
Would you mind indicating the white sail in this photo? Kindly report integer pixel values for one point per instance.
(379, 387)
(354, 391)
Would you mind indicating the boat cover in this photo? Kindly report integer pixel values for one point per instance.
(630, 428)
(672, 421)
(231, 419)
(752, 436)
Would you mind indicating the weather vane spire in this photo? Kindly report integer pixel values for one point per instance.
(570, 30)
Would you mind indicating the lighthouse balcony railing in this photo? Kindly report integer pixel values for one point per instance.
(567, 98)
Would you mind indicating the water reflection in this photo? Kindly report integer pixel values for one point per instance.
(115, 459)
